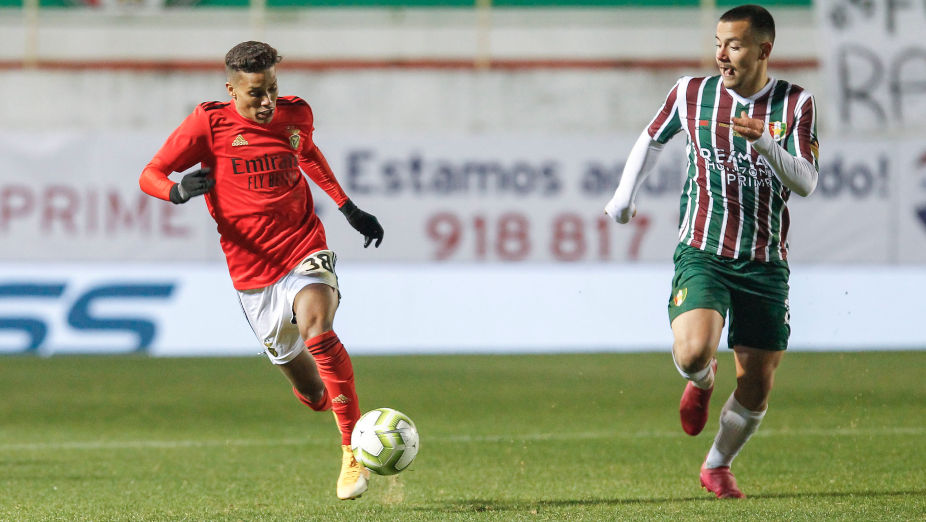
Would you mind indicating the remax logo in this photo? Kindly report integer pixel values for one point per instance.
(99, 308)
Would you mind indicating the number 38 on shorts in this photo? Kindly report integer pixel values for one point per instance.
(319, 265)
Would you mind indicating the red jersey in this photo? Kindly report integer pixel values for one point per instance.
(261, 202)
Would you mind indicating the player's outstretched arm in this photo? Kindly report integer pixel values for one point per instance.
(154, 182)
(195, 183)
(186, 147)
(640, 162)
(314, 164)
(363, 222)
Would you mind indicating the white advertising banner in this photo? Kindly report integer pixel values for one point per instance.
(867, 207)
(190, 309)
(874, 62)
(910, 228)
(506, 199)
(70, 197)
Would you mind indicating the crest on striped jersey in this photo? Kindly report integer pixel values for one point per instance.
(777, 129)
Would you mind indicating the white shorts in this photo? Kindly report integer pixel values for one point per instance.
(270, 309)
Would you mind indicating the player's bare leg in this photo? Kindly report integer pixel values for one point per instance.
(314, 307)
(740, 417)
(696, 336)
(755, 376)
(307, 385)
(317, 317)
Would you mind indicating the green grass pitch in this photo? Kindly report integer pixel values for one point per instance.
(527, 437)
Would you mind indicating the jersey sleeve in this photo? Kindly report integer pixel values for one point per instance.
(314, 164)
(185, 147)
(640, 162)
(667, 122)
(795, 162)
(804, 143)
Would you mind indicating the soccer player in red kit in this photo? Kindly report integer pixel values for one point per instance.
(251, 150)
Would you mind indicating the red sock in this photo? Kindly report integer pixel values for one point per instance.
(337, 373)
(323, 404)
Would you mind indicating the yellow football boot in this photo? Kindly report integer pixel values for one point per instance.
(354, 477)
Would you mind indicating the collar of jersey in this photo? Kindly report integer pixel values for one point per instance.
(752, 99)
(234, 111)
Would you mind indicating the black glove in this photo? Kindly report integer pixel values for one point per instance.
(365, 223)
(193, 184)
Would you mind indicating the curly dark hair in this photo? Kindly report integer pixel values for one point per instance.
(251, 57)
(760, 20)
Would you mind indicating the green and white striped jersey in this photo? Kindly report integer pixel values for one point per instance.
(732, 203)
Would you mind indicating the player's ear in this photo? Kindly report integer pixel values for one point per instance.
(231, 90)
(765, 50)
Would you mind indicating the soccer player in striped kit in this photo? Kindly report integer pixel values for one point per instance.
(751, 144)
(251, 150)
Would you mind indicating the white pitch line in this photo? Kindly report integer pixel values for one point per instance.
(526, 437)
(157, 444)
(465, 439)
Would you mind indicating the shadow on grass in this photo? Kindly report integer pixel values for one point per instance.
(482, 505)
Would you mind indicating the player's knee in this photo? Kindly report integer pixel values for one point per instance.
(693, 365)
(753, 398)
(313, 325)
(692, 356)
(757, 387)
(314, 308)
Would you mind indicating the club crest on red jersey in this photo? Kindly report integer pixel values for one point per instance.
(294, 137)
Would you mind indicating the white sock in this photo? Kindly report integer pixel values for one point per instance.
(737, 424)
(703, 379)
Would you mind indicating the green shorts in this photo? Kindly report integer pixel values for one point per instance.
(754, 293)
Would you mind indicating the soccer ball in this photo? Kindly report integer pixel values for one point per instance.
(385, 441)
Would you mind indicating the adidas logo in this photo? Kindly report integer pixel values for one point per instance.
(239, 141)
(341, 399)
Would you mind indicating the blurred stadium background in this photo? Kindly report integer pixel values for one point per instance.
(486, 136)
